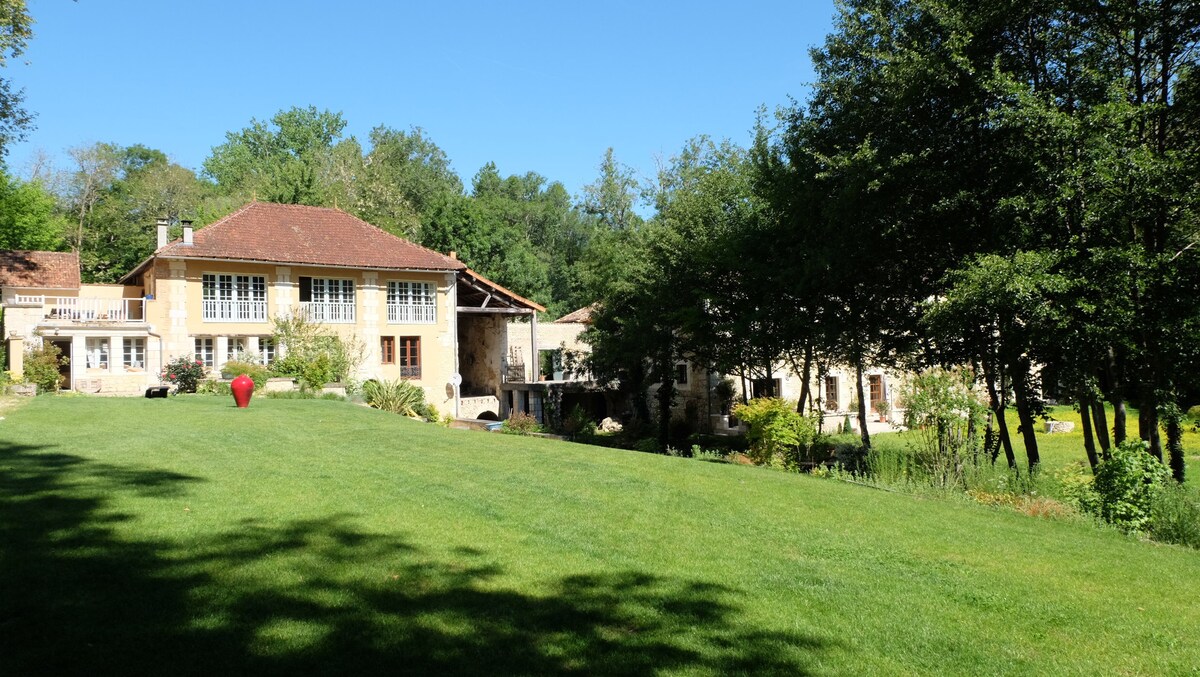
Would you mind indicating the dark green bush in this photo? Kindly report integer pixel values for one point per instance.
(1126, 484)
(1175, 515)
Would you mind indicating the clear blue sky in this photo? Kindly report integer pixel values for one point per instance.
(531, 86)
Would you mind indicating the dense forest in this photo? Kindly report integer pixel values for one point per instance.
(1008, 188)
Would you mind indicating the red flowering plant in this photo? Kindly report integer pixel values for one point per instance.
(184, 372)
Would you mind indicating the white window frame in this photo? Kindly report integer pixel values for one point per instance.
(97, 351)
(332, 300)
(232, 297)
(133, 353)
(204, 351)
(411, 302)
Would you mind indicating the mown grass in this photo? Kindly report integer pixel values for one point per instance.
(315, 537)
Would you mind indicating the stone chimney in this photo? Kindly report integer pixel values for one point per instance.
(187, 231)
(454, 255)
(162, 233)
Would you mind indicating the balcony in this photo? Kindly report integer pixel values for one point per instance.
(220, 310)
(333, 313)
(411, 314)
(80, 310)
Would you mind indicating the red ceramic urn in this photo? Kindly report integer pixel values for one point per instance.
(242, 388)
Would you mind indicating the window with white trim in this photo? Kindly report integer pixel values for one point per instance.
(135, 353)
(97, 352)
(234, 298)
(411, 302)
(266, 349)
(234, 348)
(327, 299)
(205, 352)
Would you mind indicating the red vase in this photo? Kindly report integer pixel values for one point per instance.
(242, 388)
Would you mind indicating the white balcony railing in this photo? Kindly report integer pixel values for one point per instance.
(411, 314)
(76, 309)
(333, 313)
(221, 310)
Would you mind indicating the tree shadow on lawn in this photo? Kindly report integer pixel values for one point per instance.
(80, 595)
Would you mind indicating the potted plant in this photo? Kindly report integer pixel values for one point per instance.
(882, 407)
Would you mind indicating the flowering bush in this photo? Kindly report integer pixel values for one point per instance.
(184, 373)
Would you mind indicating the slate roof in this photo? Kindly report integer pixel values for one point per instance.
(297, 234)
(52, 270)
(582, 316)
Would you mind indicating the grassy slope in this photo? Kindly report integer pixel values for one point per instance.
(186, 536)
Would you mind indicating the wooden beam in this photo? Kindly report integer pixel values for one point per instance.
(501, 311)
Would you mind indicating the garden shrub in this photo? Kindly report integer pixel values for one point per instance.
(257, 373)
(945, 415)
(1175, 515)
(578, 423)
(315, 373)
(1126, 485)
(776, 429)
(520, 423)
(314, 354)
(214, 387)
(398, 397)
(41, 367)
(183, 372)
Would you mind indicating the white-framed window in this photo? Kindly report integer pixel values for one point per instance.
(97, 352)
(266, 349)
(235, 346)
(205, 352)
(327, 299)
(411, 302)
(234, 298)
(135, 353)
(681, 372)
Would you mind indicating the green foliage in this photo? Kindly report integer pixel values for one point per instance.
(315, 355)
(27, 216)
(398, 397)
(41, 366)
(183, 372)
(520, 423)
(283, 160)
(1175, 515)
(1126, 485)
(213, 386)
(942, 409)
(776, 429)
(316, 372)
(256, 371)
(578, 423)
(16, 28)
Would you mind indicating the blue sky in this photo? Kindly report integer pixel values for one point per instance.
(532, 86)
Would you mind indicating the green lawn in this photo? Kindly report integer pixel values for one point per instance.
(185, 536)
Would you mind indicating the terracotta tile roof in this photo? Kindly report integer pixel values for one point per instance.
(319, 236)
(54, 270)
(582, 316)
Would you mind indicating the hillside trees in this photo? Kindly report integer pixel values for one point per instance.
(16, 28)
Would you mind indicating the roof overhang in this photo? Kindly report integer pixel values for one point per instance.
(479, 295)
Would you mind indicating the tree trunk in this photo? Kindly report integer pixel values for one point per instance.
(1118, 401)
(862, 403)
(1173, 422)
(1024, 405)
(805, 392)
(1085, 415)
(665, 397)
(1100, 422)
(1148, 420)
(998, 407)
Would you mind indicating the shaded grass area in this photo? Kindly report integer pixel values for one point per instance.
(189, 537)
